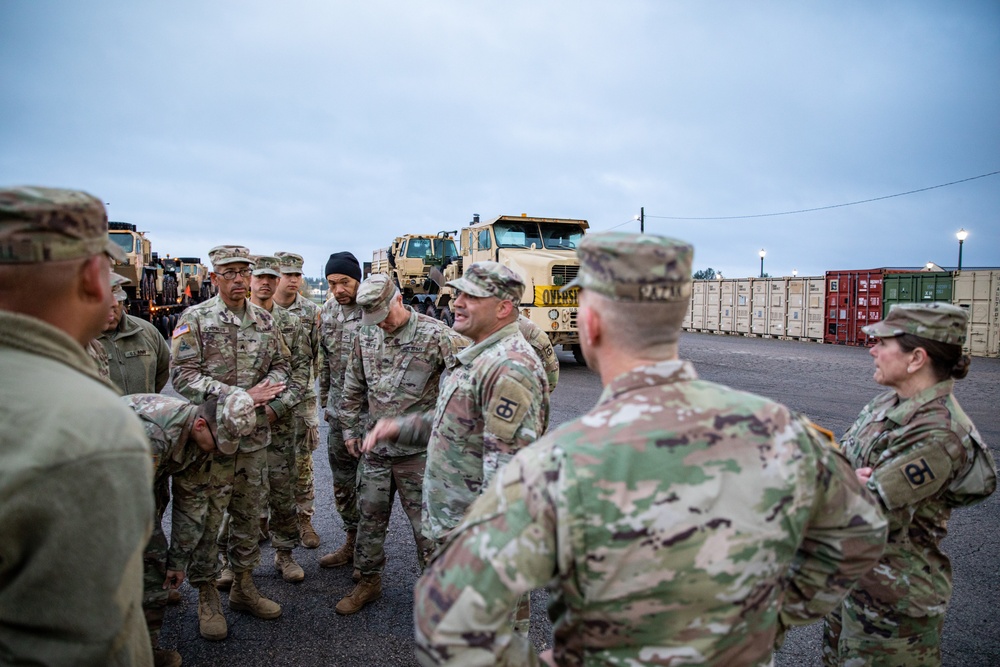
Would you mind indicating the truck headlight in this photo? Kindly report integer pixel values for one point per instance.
(553, 314)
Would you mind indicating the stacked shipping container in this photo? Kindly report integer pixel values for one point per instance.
(833, 308)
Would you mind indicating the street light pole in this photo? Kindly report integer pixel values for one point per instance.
(961, 235)
(762, 253)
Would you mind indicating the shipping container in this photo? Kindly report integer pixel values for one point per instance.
(777, 306)
(758, 310)
(918, 287)
(853, 300)
(744, 298)
(712, 303)
(804, 309)
(727, 306)
(979, 293)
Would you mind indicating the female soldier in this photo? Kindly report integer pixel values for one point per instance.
(922, 456)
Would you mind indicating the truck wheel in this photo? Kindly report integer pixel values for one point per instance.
(420, 307)
(578, 355)
(431, 311)
(447, 317)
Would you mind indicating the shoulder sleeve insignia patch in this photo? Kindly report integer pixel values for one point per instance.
(911, 478)
(508, 406)
(181, 330)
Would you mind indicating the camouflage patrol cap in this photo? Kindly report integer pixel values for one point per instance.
(635, 267)
(236, 418)
(375, 296)
(290, 262)
(221, 255)
(119, 293)
(938, 321)
(490, 279)
(52, 225)
(117, 279)
(265, 265)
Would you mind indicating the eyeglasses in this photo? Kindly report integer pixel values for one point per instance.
(231, 274)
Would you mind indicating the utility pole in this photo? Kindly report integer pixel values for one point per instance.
(642, 219)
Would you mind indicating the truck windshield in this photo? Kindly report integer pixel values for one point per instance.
(449, 248)
(517, 234)
(124, 239)
(418, 248)
(561, 236)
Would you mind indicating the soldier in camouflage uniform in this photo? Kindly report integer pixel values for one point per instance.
(282, 458)
(222, 343)
(920, 454)
(181, 434)
(679, 521)
(75, 474)
(339, 322)
(306, 417)
(540, 343)
(394, 370)
(490, 406)
(139, 357)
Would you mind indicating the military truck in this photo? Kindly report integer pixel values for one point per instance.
(159, 289)
(410, 260)
(541, 250)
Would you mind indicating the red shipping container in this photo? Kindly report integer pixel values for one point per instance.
(854, 300)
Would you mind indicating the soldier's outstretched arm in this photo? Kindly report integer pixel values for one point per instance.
(505, 547)
(844, 538)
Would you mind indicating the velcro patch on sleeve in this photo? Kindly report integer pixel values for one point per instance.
(181, 330)
(509, 404)
(182, 348)
(913, 476)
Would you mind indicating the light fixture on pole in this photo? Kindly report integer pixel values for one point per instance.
(795, 272)
(762, 253)
(961, 235)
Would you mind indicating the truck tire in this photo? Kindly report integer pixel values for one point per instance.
(431, 311)
(447, 317)
(578, 355)
(420, 307)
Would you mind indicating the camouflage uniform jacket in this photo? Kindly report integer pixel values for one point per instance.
(99, 355)
(338, 325)
(213, 349)
(308, 313)
(542, 345)
(300, 360)
(139, 359)
(395, 374)
(75, 478)
(677, 522)
(489, 407)
(922, 452)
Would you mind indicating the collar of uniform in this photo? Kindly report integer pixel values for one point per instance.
(251, 314)
(126, 327)
(904, 411)
(651, 375)
(468, 355)
(405, 334)
(31, 335)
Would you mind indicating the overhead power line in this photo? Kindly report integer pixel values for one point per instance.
(820, 208)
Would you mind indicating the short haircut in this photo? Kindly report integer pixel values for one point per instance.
(207, 411)
(649, 329)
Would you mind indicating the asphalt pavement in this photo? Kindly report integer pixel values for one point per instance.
(829, 383)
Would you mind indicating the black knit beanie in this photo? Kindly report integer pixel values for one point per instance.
(345, 264)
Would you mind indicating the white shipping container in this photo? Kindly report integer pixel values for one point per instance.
(727, 306)
(815, 307)
(758, 312)
(744, 296)
(979, 293)
(777, 306)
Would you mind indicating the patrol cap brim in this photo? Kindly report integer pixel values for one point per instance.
(115, 251)
(266, 272)
(468, 287)
(882, 330)
(376, 316)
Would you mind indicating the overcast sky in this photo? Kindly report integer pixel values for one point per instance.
(317, 127)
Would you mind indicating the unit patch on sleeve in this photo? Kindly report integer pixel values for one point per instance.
(509, 403)
(913, 477)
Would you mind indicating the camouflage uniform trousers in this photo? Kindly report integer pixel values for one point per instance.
(345, 476)
(282, 475)
(233, 484)
(379, 478)
(854, 638)
(200, 496)
(154, 569)
(306, 440)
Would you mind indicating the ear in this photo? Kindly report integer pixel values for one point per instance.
(215, 278)
(919, 360)
(504, 309)
(591, 325)
(94, 285)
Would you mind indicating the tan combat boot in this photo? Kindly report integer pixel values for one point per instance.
(342, 556)
(368, 590)
(226, 576)
(174, 596)
(307, 534)
(166, 658)
(244, 596)
(290, 570)
(211, 622)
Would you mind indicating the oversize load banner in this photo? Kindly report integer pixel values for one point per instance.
(549, 295)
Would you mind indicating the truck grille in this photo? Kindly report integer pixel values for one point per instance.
(565, 271)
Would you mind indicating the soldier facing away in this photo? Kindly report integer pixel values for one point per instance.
(678, 520)
(222, 343)
(73, 459)
(306, 417)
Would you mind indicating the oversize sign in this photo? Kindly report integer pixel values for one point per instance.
(549, 295)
